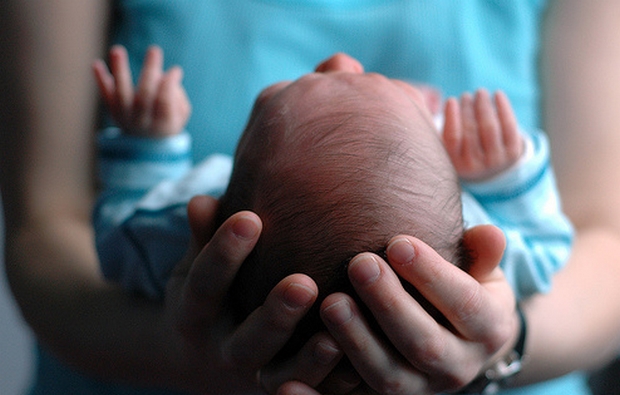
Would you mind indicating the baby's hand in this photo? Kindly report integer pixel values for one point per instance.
(481, 137)
(157, 107)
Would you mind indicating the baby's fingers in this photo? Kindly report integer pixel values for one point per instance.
(105, 82)
(452, 131)
(172, 108)
(148, 85)
(119, 66)
(489, 132)
(513, 141)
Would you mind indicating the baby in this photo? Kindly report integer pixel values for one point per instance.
(335, 163)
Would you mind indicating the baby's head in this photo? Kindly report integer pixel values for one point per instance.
(336, 164)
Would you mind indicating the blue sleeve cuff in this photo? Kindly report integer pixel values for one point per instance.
(138, 163)
(525, 204)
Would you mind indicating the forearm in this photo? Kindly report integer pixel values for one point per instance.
(46, 178)
(84, 321)
(576, 326)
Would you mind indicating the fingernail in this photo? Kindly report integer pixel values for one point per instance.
(364, 269)
(325, 353)
(338, 313)
(401, 252)
(245, 228)
(298, 296)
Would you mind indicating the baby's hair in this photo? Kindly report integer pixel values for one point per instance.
(332, 188)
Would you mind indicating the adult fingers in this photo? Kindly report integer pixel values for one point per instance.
(342, 380)
(215, 267)
(433, 356)
(376, 361)
(464, 301)
(296, 388)
(426, 356)
(486, 245)
(300, 388)
(312, 365)
(263, 334)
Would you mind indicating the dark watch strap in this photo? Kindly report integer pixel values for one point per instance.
(497, 376)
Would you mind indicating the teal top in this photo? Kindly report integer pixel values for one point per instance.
(231, 49)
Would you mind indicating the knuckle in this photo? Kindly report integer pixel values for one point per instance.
(279, 322)
(487, 126)
(393, 385)
(140, 104)
(496, 336)
(163, 108)
(388, 304)
(468, 306)
(433, 351)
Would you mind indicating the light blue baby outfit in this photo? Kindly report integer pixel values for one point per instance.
(142, 231)
(231, 49)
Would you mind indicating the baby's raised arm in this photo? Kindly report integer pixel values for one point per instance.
(481, 135)
(157, 107)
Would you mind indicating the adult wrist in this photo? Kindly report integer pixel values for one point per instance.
(499, 375)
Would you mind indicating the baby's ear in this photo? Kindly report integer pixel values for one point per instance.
(486, 244)
(432, 98)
